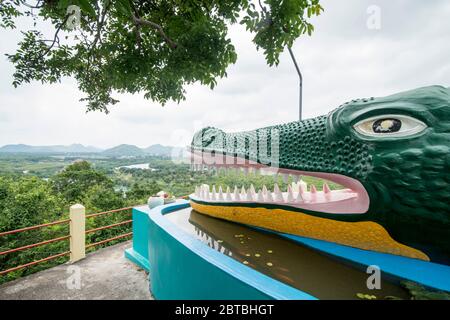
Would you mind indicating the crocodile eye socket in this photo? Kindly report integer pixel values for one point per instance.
(390, 126)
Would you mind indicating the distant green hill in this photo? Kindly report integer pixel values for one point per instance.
(24, 148)
(124, 150)
(167, 151)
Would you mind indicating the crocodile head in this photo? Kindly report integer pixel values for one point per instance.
(390, 154)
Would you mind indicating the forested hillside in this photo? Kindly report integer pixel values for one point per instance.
(45, 193)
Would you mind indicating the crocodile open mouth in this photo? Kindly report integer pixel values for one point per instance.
(351, 199)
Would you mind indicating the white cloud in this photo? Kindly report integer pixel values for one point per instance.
(341, 61)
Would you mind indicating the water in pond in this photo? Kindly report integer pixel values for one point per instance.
(309, 270)
(144, 166)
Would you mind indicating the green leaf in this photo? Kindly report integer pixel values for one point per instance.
(63, 4)
(124, 7)
(87, 7)
(136, 59)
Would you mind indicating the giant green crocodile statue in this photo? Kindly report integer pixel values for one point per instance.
(390, 154)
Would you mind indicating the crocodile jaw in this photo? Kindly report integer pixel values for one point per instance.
(354, 199)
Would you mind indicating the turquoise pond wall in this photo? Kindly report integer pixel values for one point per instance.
(181, 267)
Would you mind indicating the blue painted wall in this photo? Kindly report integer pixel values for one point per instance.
(181, 267)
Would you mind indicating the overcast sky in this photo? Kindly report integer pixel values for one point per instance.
(344, 59)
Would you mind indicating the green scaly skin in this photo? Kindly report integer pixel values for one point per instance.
(407, 178)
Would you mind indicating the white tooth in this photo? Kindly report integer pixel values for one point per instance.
(296, 178)
(252, 189)
(221, 194)
(228, 195)
(303, 186)
(279, 196)
(313, 189)
(235, 189)
(236, 194)
(285, 178)
(326, 188)
(299, 197)
(269, 197)
(243, 191)
(207, 196)
(260, 196)
(264, 189)
(213, 193)
(290, 195)
(276, 189)
(294, 186)
(249, 196)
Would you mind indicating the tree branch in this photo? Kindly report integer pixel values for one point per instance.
(143, 22)
(38, 5)
(100, 23)
(55, 37)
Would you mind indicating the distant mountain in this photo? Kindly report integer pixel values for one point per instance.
(158, 150)
(166, 151)
(24, 148)
(124, 150)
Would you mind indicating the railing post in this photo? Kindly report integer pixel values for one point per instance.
(77, 232)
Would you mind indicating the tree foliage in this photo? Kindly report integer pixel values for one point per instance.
(155, 47)
(76, 180)
(28, 200)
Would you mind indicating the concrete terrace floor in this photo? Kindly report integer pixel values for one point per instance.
(104, 274)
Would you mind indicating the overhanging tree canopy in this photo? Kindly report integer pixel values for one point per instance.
(155, 47)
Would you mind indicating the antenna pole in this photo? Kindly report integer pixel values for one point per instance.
(300, 83)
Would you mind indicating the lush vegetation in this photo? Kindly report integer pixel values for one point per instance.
(154, 47)
(36, 189)
(27, 200)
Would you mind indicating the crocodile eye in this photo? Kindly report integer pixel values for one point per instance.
(386, 126)
(390, 126)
